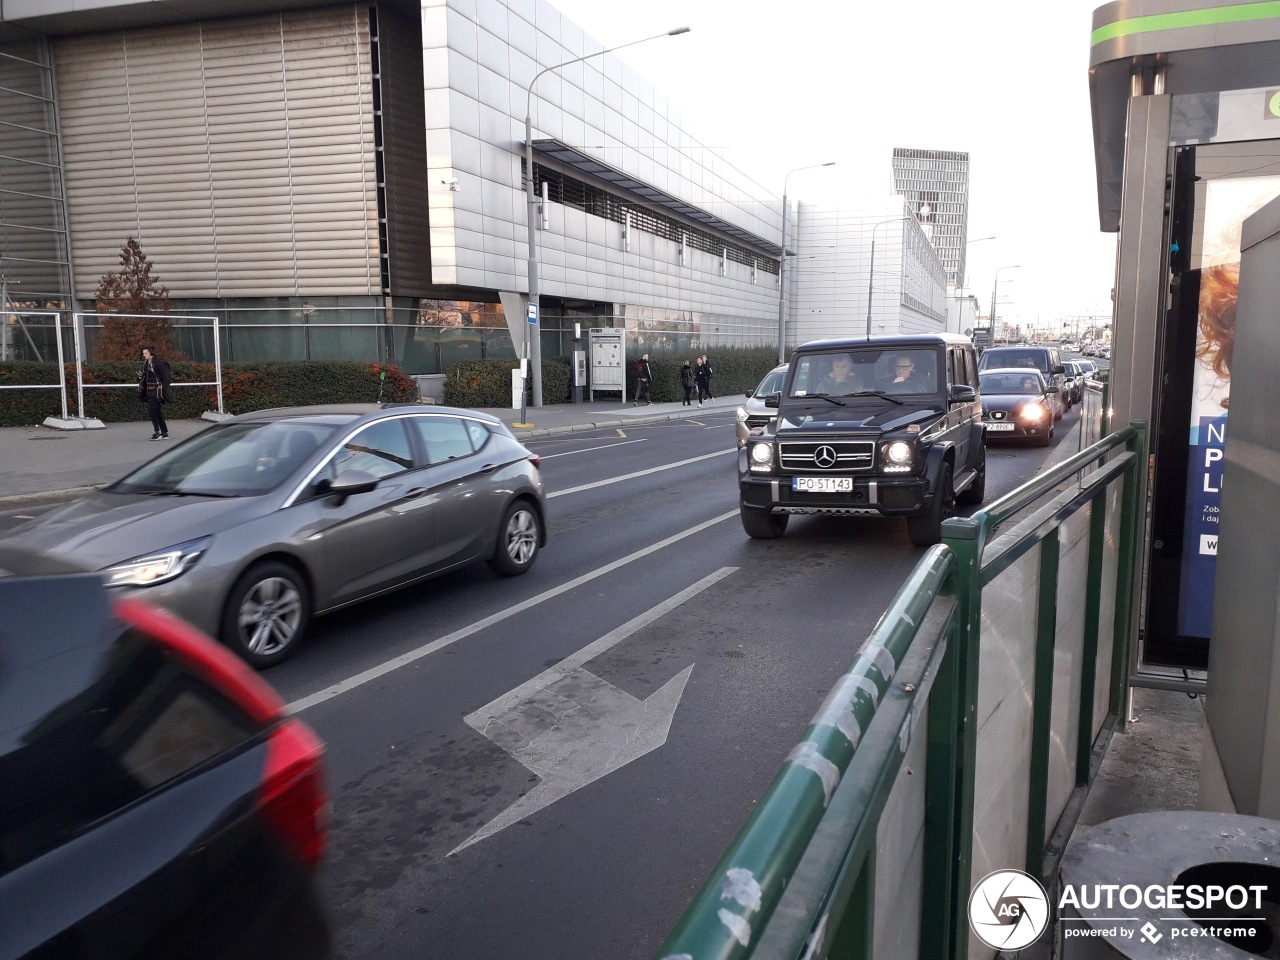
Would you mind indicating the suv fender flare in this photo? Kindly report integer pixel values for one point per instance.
(978, 433)
(938, 453)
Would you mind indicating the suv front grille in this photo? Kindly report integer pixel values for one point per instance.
(827, 455)
(758, 421)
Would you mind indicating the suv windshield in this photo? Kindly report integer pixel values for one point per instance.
(772, 383)
(872, 371)
(233, 460)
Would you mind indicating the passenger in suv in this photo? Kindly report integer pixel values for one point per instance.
(910, 447)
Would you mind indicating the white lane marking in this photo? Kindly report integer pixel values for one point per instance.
(570, 727)
(607, 446)
(638, 473)
(395, 663)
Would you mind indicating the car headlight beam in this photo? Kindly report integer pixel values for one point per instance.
(1035, 412)
(157, 567)
(761, 454)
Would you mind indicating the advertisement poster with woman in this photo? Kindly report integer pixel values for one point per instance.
(1227, 204)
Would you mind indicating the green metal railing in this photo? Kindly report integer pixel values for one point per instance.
(849, 820)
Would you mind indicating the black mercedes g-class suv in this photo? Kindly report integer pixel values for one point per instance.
(887, 426)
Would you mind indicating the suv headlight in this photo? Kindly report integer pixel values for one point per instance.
(159, 566)
(742, 414)
(761, 456)
(898, 456)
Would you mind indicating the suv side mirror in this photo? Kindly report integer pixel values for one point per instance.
(772, 400)
(962, 393)
(1059, 368)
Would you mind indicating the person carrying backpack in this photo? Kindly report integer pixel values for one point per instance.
(687, 381)
(644, 380)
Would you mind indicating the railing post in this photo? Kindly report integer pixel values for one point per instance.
(1089, 652)
(1127, 568)
(953, 739)
(1042, 700)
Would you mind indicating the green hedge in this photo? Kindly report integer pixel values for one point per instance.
(737, 369)
(245, 387)
(487, 383)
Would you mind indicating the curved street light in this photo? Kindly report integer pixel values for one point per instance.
(533, 358)
(871, 272)
(994, 287)
(782, 261)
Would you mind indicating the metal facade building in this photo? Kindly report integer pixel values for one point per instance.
(935, 184)
(347, 180)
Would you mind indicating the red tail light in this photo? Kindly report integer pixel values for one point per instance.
(292, 799)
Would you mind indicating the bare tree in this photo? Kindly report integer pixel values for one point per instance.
(133, 290)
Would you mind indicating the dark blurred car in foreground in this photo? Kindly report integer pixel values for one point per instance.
(754, 416)
(157, 802)
(1017, 405)
(255, 525)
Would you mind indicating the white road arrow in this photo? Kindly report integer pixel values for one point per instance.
(571, 728)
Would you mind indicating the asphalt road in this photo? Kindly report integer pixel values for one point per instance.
(549, 766)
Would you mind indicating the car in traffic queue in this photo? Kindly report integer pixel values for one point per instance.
(1017, 405)
(883, 426)
(158, 799)
(754, 415)
(1048, 360)
(1072, 382)
(254, 526)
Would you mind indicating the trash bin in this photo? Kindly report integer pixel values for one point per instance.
(1181, 884)
(517, 389)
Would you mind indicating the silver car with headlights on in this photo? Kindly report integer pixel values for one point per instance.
(254, 526)
(754, 415)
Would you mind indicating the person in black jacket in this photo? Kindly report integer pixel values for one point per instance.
(153, 390)
(704, 375)
(686, 381)
(644, 380)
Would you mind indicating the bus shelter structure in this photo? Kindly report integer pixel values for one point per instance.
(1185, 97)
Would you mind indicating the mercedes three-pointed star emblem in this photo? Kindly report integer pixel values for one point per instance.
(825, 457)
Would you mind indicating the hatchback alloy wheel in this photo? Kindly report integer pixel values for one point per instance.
(518, 540)
(269, 616)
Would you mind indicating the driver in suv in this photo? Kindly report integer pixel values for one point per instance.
(912, 446)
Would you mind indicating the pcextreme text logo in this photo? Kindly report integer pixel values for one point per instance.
(1008, 910)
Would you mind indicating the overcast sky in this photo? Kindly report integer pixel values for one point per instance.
(785, 83)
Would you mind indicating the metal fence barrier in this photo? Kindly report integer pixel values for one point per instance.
(962, 740)
(23, 317)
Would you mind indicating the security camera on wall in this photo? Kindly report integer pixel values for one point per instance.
(451, 184)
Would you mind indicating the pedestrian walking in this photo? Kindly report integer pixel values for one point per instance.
(703, 377)
(687, 381)
(153, 390)
(644, 380)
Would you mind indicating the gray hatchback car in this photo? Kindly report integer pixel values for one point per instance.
(255, 525)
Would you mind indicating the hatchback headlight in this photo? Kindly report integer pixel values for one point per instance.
(1035, 412)
(761, 454)
(157, 567)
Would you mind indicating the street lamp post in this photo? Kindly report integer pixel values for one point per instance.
(533, 357)
(871, 272)
(782, 262)
(994, 287)
(963, 285)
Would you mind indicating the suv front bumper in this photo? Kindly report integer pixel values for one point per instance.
(871, 496)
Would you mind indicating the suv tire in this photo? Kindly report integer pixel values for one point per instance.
(762, 525)
(976, 492)
(926, 529)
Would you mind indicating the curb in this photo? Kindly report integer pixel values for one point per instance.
(47, 496)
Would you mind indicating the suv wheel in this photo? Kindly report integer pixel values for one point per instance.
(976, 492)
(926, 529)
(762, 525)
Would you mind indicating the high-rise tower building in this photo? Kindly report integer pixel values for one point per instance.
(935, 184)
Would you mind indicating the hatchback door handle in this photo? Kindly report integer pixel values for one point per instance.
(489, 468)
(414, 493)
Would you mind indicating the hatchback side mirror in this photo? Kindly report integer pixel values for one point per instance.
(350, 482)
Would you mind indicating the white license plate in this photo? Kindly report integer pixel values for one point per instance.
(822, 484)
(999, 426)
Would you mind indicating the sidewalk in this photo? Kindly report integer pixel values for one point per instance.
(41, 465)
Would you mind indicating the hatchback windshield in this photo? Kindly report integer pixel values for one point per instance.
(893, 371)
(993, 383)
(233, 460)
